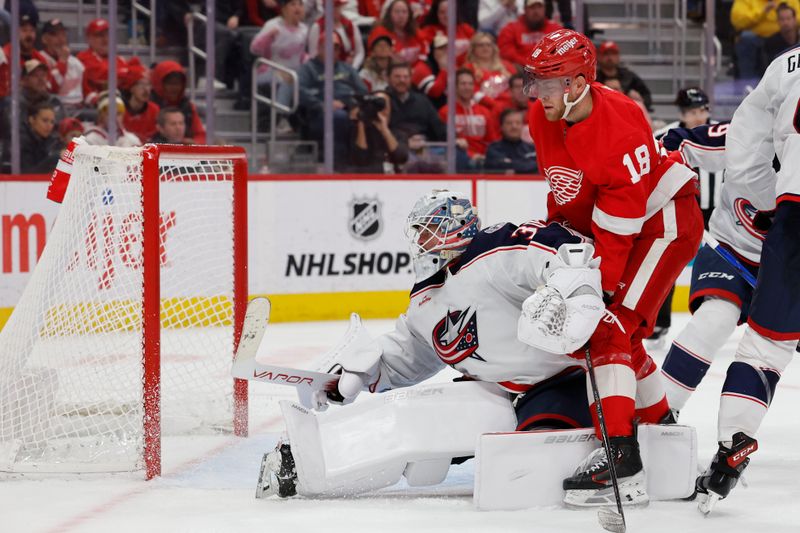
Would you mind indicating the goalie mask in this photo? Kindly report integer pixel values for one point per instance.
(439, 229)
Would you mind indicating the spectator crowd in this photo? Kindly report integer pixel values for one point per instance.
(390, 55)
(390, 78)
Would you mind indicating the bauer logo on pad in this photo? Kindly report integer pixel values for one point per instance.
(365, 218)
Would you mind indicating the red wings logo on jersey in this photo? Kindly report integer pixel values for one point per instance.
(564, 182)
(455, 337)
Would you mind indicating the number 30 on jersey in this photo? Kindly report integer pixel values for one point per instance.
(642, 155)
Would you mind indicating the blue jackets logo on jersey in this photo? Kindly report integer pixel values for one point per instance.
(745, 212)
(455, 337)
(365, 218)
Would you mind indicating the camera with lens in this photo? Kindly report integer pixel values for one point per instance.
(369, 105)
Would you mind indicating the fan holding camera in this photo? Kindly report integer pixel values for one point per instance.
(374, 143)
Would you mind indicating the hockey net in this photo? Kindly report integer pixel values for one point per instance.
(128, 325)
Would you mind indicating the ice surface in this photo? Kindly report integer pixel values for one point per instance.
(209, 481)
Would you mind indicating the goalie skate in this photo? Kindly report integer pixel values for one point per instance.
(277, 475)
(591, 486)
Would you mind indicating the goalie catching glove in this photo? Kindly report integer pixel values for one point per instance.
(562, 314)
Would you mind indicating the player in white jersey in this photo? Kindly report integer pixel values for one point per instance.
(477, 305)
(719, 297)
(765, 126)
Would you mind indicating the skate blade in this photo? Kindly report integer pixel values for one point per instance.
(611, 520)
(632, 492)
(706, 505)
(262, 489)
(580, 501)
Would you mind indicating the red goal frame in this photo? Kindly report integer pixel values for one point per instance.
(151, 305)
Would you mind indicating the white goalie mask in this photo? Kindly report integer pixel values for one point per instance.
(439, 229)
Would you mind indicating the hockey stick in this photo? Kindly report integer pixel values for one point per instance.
(246, 367)
(610, 520)
(735, 263)
(729, 258)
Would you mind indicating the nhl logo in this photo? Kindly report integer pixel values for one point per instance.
(365, 219)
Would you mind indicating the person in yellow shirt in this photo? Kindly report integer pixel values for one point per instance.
(755, 21)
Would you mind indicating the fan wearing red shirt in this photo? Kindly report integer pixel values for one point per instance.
(95, 59)
(399, 25)
(435, 23)
(516, 99)
(27, 51)
(474, 127)
(608, 179)
(141, 114)
(518, 39)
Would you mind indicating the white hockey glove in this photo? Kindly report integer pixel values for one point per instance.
(562, 314)
(356, 358)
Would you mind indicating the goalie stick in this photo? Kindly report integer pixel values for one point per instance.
(246, 367)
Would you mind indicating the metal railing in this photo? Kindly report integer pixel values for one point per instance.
(137, 8)
(272, 101)
(679, 45)
(194, 51)
(654, 28)
(711, 63)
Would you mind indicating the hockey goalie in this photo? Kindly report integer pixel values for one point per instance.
(505, 306)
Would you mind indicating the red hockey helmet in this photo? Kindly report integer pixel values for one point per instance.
(563, 53)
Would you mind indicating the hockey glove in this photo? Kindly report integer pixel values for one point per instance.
(561, 316)
(762, 221)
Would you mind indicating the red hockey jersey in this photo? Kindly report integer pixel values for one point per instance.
(606, 174)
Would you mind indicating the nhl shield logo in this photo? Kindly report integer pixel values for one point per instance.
(365, 219)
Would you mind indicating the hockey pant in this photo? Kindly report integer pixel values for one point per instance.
(627, 380)
(773, 329)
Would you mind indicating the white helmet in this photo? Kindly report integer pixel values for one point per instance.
(439, 228)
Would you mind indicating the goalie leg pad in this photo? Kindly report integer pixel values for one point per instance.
(369, 444)
(525, 469)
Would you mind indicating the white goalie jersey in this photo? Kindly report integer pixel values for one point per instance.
(465, 316)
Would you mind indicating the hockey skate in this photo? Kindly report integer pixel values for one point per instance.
(591, 486)
(725, 470)
(278, 474)
(671, 417)
(657, 340)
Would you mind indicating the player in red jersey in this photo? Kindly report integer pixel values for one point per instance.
(608, 179)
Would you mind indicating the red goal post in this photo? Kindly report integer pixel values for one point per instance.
(152, 155)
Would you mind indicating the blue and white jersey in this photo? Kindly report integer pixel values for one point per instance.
(465, 315)
(732, 220)
(710, 178)
(767, 125)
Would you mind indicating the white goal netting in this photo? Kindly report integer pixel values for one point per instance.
(72, 353)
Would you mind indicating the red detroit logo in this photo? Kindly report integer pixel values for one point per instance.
(564, 182)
